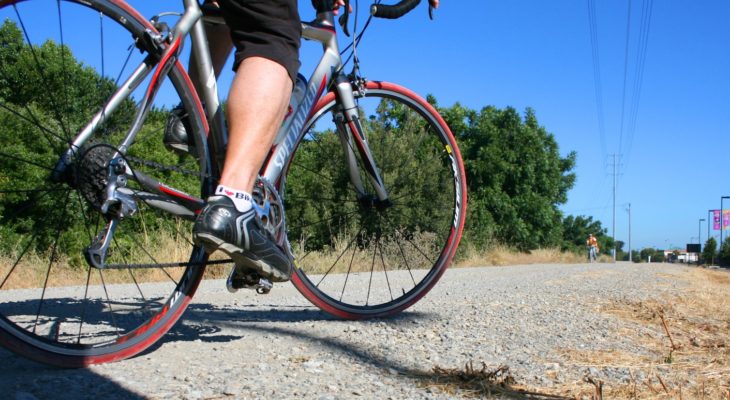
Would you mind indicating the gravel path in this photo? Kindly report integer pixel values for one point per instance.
(279, 346)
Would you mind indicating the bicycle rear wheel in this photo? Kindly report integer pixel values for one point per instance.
(357, 259)
(59, 64)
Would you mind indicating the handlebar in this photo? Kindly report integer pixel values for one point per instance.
(393, 11)
(377, 10)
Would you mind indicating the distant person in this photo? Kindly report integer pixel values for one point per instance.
(592, 245)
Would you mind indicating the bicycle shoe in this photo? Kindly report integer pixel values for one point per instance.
(220, 226)
(176, 132)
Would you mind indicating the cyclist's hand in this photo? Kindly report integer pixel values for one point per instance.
(434, 3)
(340, 3)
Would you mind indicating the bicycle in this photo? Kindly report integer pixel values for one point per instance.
(97, 261)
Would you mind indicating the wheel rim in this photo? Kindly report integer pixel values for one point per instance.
(51, 300)
(388, 257)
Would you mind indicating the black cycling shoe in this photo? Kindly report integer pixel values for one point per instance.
(176, 132)
(220, 226)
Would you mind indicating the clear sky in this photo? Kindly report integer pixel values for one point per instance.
(664, 85)
(539, 54)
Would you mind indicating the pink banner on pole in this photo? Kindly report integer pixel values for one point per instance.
(716, 220)
(725, 219)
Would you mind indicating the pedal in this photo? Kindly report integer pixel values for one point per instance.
(251, 280)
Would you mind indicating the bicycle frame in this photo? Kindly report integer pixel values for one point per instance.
(326, 75)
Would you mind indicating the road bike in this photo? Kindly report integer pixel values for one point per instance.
(96, 256)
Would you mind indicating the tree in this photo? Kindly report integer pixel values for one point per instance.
(515, 175)
(724, 255)
(646, 253)
(709, 254)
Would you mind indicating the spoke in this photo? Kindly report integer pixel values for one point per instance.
(40, 72)
(328, 219)
(52, 258)
(12, 157)
(387, 280)
(340, 256)
(101, 42)
(85, 303)
(109, 304)
(141, 216)
(313, 172)
(87, 219)
(30, 242)
(131, 274)
(130, 51)
(323, 199)
(63, 54)
(372, 269)
(34, 120)
(405, 260)
(60, 189)
(17, 261)
(417, 248)
(347, 276)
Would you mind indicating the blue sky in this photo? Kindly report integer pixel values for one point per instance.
(538, 54)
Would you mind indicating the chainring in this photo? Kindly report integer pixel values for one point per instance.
(270, 213)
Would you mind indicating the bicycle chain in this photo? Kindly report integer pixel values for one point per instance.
(163, 167)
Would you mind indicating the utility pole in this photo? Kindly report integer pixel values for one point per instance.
(629, 232)
(613, 224)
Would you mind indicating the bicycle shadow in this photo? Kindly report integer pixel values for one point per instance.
(21, 378)
(218, 324)
(205, 322)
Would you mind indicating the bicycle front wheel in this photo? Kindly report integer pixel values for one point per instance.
(358, 258)
(60, 63)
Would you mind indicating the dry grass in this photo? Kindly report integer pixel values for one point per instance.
(32, 269)
(502, 255)
(686, 340)
(31, 272)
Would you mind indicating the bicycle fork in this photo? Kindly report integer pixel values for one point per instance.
(352, 137)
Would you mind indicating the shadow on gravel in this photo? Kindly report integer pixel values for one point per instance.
(21, 378)
(202, 322)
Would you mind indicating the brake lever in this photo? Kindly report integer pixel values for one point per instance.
(430, 12)
(344, 18)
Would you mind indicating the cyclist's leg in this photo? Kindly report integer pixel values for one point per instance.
(267, 61)
(220, 45)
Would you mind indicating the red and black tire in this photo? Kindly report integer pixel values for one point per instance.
(115, 314)
(401, 126)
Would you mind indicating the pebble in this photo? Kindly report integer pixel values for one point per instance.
(277, 346)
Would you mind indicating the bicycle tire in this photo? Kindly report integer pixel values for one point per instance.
(421, 165)
(54, 307)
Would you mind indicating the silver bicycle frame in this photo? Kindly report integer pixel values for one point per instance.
(328, 70)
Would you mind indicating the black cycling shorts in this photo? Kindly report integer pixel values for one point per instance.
(265, 28)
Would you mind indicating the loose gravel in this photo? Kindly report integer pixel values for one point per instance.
(245, 345)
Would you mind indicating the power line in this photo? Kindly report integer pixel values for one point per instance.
(626, 67)
(593, 27)
(643, 44)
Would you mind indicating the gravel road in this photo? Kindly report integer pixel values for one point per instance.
(279, 346)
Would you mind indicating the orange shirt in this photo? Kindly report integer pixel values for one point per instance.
(592, 241)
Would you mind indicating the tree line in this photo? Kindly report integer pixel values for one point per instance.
(516, 176)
